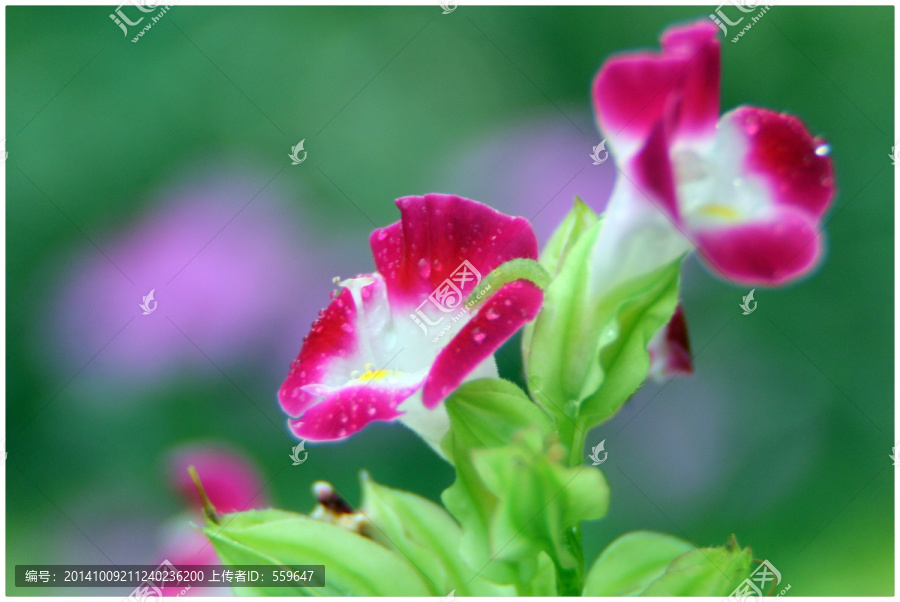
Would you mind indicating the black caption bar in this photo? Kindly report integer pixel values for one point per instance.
(165, 575)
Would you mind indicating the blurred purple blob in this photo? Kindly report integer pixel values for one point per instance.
(236, 276)
(534, 169)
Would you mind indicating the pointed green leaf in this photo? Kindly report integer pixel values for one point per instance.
(428, 537)
(354, 565)
(486, 412)
(632, 562)
(519, 500)
(587, 353)
(704, 572)
(579, 220)
(640, 312)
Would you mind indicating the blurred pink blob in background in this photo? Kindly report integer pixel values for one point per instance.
(236, 274)
(233, 484)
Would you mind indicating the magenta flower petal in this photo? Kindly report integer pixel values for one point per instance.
(435, 235)
(670, 349)
(500, 317)
(333, 337)
(772, 252)
(651, 171)
(344, 411)
(635, 91)
(782, 152)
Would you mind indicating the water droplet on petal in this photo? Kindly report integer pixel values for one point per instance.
(478, 337)
(424, 268)
(381, 235)
(346, 327)
(370, 411)
(491, 314)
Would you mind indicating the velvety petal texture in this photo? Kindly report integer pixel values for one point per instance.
(748, 189)
(411, 324)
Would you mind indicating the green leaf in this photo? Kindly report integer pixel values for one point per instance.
(427, 536)
(483, 413)
(640, 311)
(704, 572)
(486, 412)
(587, 353)
(519, 500)
(354, 565)
(632, 562)
(580, 219)
(544, 581)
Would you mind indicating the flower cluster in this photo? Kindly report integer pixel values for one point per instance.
(746, 189)
(599, 312)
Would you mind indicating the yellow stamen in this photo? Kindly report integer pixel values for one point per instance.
(370, 374)
(716, 210)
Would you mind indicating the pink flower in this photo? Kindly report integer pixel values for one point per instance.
(232, 482)
(747, 189)
(394, 343)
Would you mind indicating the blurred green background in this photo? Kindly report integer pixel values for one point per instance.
(781, 437)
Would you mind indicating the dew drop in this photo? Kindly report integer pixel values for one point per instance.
(346, 327)
(478, 337)
(370, 411)
(424, 268)
(491, 314)
(822, 150)
(381, 235)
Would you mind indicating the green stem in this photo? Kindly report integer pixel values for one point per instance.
(571, 581)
